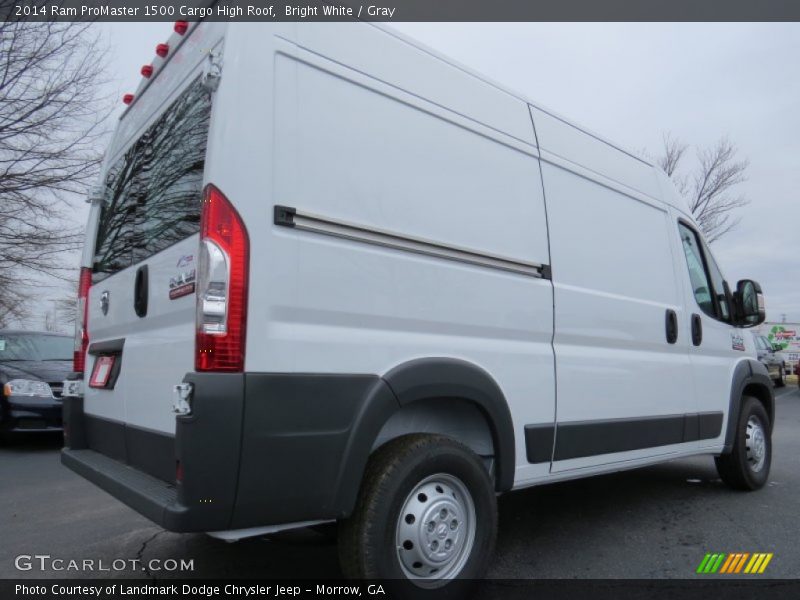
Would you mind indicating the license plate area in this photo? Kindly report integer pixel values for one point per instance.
(107, 362)
(105, 371)
(101, 372)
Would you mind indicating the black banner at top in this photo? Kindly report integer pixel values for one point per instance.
(401, 10)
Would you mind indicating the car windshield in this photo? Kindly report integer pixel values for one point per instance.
(33, 346)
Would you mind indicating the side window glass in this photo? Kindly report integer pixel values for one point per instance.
(701, 284)
(718, 283)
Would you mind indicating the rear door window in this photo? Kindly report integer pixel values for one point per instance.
(153, 192)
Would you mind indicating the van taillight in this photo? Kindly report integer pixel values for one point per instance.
(221, 286)
(82, 321)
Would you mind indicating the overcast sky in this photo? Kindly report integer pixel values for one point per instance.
(631, 83)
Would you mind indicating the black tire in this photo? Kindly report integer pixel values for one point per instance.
(781, 380)
(738, 469)
(368, 545)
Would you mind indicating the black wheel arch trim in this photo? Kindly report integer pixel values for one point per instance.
(748, 373)
(428, 378)
(378, 406)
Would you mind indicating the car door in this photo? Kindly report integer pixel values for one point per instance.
(622, 385)
(716, 345)
(141, 307)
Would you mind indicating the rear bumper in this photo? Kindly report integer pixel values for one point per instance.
(258, 449)
(155, 499)
(139, 466)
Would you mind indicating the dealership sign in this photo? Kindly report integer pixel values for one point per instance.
(785, 336)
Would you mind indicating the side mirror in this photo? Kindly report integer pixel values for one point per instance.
(749, 303)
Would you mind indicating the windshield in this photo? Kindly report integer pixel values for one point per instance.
(35, 346)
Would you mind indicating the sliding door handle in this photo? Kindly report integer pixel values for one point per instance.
(671, 324)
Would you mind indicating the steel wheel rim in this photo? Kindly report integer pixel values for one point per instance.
(756, 443)
(435, 530)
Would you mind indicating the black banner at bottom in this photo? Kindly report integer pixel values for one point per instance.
(490, 589)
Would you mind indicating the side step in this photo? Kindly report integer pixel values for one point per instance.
(155, 499)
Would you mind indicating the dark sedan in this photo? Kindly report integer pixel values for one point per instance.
(33, 366)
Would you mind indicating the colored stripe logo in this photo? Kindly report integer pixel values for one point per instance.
(735, 563)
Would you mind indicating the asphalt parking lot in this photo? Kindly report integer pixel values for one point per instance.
(656, 522)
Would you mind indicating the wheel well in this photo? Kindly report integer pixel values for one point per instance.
(460, 419)
(758, 391)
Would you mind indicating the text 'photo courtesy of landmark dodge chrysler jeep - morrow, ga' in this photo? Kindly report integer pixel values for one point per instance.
(331, 276)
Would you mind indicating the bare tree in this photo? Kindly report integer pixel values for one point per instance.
(14, 305)
(51, 123)
(65, 307)
(709, 188)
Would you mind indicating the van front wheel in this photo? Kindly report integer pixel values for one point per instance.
(747, 466)
(426, 517)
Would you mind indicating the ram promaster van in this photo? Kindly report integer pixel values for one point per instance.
(330, 275)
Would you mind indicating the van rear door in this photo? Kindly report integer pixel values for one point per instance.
(141, 307)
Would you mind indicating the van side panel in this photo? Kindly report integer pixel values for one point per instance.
(571, 143)
(351, 148)
(389, 58)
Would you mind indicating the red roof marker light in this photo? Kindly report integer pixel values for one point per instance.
(162, 50)
(181, 27)
(127, 98)
(147, 71)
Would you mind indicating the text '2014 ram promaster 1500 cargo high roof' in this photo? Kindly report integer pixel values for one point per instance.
(331, 276)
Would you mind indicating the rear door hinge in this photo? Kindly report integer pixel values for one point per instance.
(212, 71)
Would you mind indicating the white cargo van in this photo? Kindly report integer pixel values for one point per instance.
(332, 276)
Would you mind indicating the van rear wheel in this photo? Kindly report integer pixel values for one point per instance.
(426, 518)
(747, 466)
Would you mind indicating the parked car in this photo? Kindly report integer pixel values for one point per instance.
(773, 359)
(33, 366)
(317, 286)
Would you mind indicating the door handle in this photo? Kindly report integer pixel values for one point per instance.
(697, 330)
(671, 324)
(140, 291)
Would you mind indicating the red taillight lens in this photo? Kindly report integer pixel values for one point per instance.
(221, 286)
(147, 71)
(82, 321)
(181, 27)
(162, 50)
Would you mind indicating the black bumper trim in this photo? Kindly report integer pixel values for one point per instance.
(151, 497)
(137, 465)
(267, 448)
